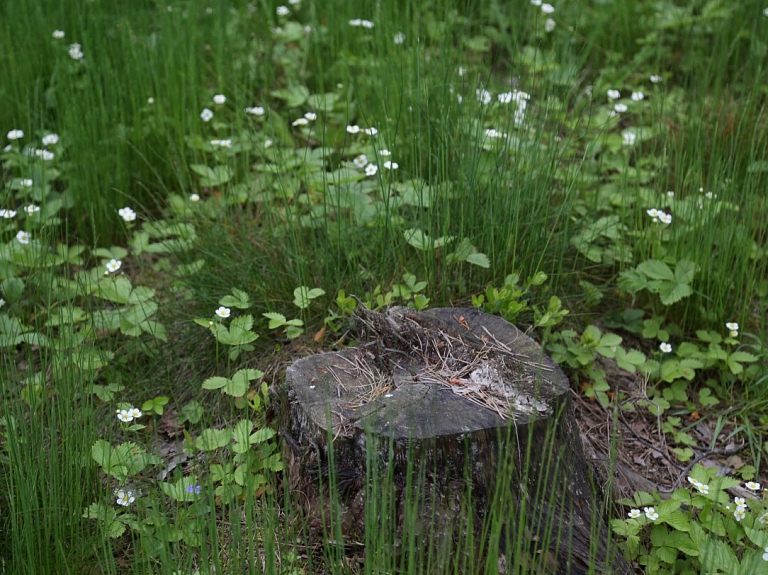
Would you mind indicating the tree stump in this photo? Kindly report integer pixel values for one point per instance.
(472, 407)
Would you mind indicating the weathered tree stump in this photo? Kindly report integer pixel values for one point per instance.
(467, 403)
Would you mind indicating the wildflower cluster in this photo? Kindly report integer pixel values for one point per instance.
(358, 22)
(692, 523)
(660, 216)
(305, 120)
(128, 415)
(76, 52)
(371, 169)
(127, 214)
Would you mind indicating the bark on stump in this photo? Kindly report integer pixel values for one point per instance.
(456, 395)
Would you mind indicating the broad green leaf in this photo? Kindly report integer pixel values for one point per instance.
(684, 271)
(610, 340)
(672, 293)
(90, 359)
(212, 177)
(676, 519)
(757, 536)
(238, 299)
(632, 281)
(479, 259)
(65, 315)
(216, 382)
(742, 356)
(275, 319)
(114, 289)
(211, 439)
(719, 555)
(709, 336)
(108, 517)
(421, 241)
(12, 289)
(656, 269)
(322, 102)
(240, 434)
(293, 331)
(240, 330)
(184, 489)
(629, 360)
(155, 329)
(156, 405)
(237, 386)
(191, 412)
(106, 393)
(477, 43)
(294, 96)
(302, 296)
(665, 554)
(261, 435)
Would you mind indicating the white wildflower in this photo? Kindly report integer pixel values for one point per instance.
(124, 497)
(127, 214)
(484, 96)
(113, 265)
(360, 161)
(75, 52)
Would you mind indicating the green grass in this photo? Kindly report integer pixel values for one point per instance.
(560, 195)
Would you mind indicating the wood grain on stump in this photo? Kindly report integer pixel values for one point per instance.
(468, 404)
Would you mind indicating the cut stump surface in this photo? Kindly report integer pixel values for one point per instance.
(460, 394)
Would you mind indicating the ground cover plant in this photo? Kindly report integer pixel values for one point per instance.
(193, 194)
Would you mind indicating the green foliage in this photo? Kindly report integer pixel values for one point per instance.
(580, 354)
(437, 195)
(701, 530)
(657, 277)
